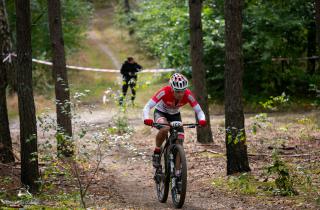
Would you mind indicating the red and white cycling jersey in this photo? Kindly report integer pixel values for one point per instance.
(165, 101)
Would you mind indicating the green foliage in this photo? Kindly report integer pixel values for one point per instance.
(315, 88)
(271, 29)
(75, 19)
(276, 103)
(21, 198)
(170, 44)
(318, 200)
(235, 135)
(6, 180)
(243, 183)
(260, 121)
(124, 19)
(284, 181)
(275, 29)
(120, 125)
(80, 169)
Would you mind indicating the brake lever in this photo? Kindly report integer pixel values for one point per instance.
(190, 126)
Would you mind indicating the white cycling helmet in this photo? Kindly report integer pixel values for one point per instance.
(178, 82)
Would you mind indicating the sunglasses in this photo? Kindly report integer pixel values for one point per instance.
(179, 91)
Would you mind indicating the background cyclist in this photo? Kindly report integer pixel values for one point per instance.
(129, 70)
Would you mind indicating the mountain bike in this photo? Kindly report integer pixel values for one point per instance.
(172, 159)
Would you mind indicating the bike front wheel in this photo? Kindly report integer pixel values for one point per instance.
(179, 180)
(162, 178)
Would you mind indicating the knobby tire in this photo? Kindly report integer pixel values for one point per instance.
(178, 203)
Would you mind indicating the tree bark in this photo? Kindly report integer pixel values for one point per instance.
(204, 135)
(126, 6)
(311, 48)
(127, 11)
(63, 108)
(317, 9)
(10, 66)
(28, 127)
(237, 157)
(6, 154)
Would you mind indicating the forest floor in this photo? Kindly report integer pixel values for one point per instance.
(128, 170)
(125, 175)
(124, 178)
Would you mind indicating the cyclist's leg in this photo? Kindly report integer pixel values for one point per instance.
(124, 89)
(159, 117)
(133, 89)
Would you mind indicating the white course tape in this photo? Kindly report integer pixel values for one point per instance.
(102, 70)
(8, 58)
(89, 68)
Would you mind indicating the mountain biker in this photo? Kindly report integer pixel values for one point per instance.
(129, 71)
(167, 102)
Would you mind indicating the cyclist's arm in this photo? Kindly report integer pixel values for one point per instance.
(152, 102)
(122, 70)
(196, 107)
(199, 112)
(138, 67)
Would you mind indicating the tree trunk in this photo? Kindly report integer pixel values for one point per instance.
(126, 6)
(317, 9)
(6, 154)
(6, 48)
(127, 10)
(237, 157)
(63, 108)
(204, 135)
(311, 48)
(28, 127)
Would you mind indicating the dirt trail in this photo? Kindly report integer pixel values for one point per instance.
(130, 169)
(129, 172)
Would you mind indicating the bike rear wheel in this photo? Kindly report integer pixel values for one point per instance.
(162, 178)
(179, 183)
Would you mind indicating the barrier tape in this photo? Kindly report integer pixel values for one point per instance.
(8, 58)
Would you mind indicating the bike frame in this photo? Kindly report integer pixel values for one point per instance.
(173, 136)
(163, 178)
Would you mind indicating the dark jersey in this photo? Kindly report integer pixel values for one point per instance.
(130, 69)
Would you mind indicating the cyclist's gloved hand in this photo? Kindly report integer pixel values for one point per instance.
(202, 123)
(148, 122)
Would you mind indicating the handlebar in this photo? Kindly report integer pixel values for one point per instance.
(188, 125)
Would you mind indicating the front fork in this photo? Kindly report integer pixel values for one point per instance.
(172, 166)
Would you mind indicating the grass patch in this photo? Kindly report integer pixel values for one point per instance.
(212, 155)
(110, 33)
(90, 56)
(244, 184)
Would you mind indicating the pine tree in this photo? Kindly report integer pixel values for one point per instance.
(237, 157)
